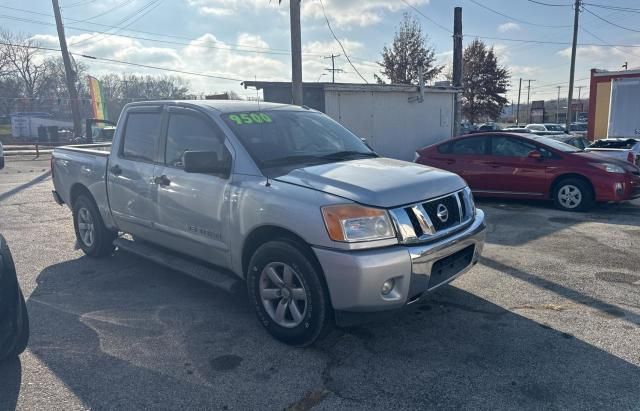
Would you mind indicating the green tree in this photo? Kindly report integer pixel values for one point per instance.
(484, 83)
(410, 51)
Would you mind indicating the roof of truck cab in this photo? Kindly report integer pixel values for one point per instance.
(225, 106)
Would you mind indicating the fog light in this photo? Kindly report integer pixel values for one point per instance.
(619, 188)
(387, 286)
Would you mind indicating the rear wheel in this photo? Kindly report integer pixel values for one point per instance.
(13, 309)
(288, 293)
(572, 194)
(95, 239)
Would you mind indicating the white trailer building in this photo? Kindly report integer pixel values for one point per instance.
(395, 120)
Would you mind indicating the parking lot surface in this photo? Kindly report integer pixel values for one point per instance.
(550, 318)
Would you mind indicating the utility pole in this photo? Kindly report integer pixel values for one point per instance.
(296, 52)
(70, 73)
(576, 20)
(518, 109)
(528, 107)
(333, 68)
(579, 99)
(558, 106)
(457, 69)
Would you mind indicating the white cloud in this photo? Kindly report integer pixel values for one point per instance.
(509, 26)
(604, 56)
(354, 12)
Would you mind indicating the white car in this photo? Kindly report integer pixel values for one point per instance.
(546, 128)
(1, 157)
(627, 149)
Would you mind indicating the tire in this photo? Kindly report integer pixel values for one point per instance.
(573, 194)
(297, 311)
(13, 310)
(87, 217)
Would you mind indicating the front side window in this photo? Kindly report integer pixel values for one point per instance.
(510, 147)
(469, 146)
(285, 137)
(189, 132)
(141, 136)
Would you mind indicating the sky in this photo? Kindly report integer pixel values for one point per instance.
(249, 39)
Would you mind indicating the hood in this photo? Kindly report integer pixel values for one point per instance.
(380, 182)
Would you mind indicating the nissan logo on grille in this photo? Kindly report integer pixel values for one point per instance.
(442, 212)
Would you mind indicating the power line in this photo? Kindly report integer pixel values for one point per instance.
(340, 43)
(610, 22)
(108, 60)
(427, 17)
(515, 18)
(617, 8)
(550, 4)
(79, 3)
(116, 7)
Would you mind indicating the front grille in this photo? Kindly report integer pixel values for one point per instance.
(435, 218)
(450, 217)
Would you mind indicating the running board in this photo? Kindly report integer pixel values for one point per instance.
(216, 278)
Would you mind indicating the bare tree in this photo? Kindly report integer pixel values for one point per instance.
(27, 63)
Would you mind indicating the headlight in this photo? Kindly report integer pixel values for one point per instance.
(609, 168)
(352, 222)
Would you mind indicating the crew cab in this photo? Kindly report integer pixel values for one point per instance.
(318, 226)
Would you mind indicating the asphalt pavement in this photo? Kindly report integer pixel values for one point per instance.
(549, 319)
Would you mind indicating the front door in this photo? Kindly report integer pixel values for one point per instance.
(131, 169)
(515, 172)
(193, 208)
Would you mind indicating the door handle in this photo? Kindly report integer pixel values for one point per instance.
(162, 180)
(115, 170)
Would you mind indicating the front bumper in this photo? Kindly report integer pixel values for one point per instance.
(354, 278)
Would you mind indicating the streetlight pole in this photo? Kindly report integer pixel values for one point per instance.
(558, 106)
(518, 109)
(528, 106)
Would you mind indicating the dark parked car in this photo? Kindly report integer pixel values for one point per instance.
(14, 320)
(573, 140)
(534, 167)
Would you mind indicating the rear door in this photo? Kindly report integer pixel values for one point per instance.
(514, 173)
(130, 174)
(193, 209)
(466, 157)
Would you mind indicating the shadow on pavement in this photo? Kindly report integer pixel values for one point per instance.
(517, 222)
(124, 333)
(24, 186)
(10, 380)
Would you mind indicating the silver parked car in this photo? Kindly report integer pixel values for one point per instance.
(316, 223)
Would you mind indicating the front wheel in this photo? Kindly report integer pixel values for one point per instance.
(573, 194)
(288, 293)
(95, 239)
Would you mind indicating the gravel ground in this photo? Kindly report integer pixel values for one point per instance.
(550, 318)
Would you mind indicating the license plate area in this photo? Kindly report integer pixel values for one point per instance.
(449, 266)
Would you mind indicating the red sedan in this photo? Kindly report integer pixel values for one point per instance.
(534, 167)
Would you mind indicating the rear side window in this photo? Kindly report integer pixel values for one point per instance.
(189, 132)
(444, 148)
(469, 146)
(141, 136)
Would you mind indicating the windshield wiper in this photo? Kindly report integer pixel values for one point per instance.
(343, 155)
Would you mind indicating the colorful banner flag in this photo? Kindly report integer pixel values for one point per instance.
(98, 103)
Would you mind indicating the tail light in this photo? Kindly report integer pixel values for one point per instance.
(631, 157)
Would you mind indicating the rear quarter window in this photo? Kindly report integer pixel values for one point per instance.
(444, 148)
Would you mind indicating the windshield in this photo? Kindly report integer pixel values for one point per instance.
(554, 127)
(275, 137)
(558, 145)
(578, 127)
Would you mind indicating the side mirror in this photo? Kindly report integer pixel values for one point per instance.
(205, 162)
(535, 154)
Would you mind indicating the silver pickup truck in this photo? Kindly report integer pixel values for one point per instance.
(317, 225)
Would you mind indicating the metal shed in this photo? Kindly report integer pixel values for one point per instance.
(394, 119)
